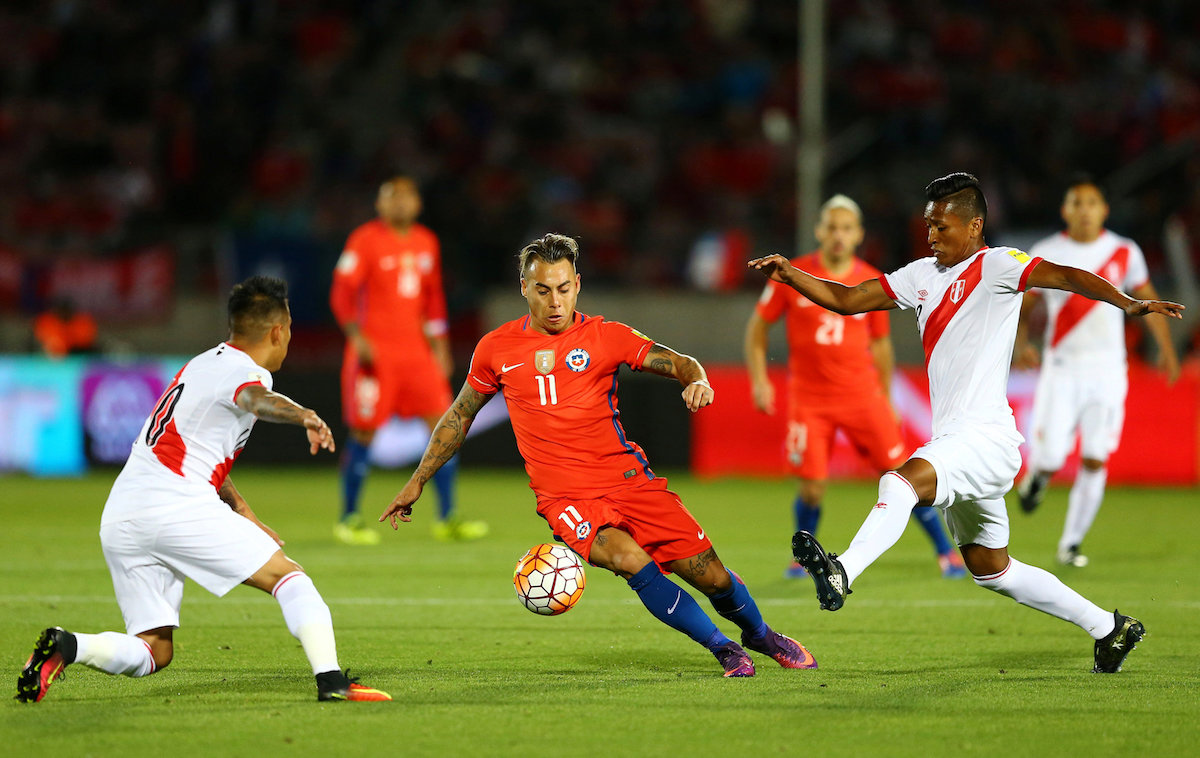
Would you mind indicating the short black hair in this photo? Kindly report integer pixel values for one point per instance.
(962, 190)
(1082, 178)
(256, 305)
(550, 248)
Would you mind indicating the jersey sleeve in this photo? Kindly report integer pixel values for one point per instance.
(628, 344)
(482, 373)
(239, 379)
(1136, 273)
(435, 293)
(901, 284)
(348, 277)
(772, 302)
(1007, 269)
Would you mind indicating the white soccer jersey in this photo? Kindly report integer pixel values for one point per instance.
(193, 436)
(1083, 333)
(967, 316)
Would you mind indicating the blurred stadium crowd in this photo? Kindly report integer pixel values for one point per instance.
(647, 128)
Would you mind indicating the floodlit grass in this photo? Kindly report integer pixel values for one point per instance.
(913, 665)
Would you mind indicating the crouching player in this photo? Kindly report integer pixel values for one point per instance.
(558, 368)
(173, 512)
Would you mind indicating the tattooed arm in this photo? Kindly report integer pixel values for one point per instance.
(234, 499)
(664, 361)
(444, 442)
(281, 409)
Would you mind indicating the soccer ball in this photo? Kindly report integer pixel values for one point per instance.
(549, 579)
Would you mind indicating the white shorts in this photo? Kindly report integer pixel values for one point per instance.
(1090, 402)
(975, 468)
(205, 542)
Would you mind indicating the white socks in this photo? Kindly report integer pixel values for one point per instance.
(114, 653)
(1082, 506)
(1039, 589)
(308, 619)
(882, 527)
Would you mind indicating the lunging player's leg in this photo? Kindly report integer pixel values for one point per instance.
(731, 598)
(309, 620)
(994, 569)
(899, 492)
(615, 550)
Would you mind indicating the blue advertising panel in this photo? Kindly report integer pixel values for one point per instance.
(59, 414)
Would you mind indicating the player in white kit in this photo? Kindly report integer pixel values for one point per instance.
(1082, 386)
(967, 302)
(173, 512)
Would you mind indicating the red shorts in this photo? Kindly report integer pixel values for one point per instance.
(869, 425)
(409, 389)
(650, 513)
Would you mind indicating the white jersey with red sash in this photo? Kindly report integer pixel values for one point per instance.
(967, 315)
(193, 436)
(1083, 333)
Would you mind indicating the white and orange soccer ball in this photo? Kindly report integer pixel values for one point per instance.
(549, 579)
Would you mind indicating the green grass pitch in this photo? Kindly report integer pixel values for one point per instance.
(914, 665)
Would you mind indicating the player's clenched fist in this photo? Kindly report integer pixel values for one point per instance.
(697, 395)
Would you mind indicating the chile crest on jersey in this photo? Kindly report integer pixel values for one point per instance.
(578, 360)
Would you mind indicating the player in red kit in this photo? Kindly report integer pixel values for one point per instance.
(558, 371)
(839, 376)
(387, 296)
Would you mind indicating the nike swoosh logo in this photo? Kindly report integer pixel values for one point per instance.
(700, 534)
(675, 604)
(897, 450)
(505, 368)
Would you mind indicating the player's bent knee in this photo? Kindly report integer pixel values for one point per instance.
(277, 567)
(615, 550)
(161, 645)
(162, 660)
(705, 572)
(984, 561)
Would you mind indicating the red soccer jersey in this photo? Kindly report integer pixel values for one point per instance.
(561, 392)
(391, 285)
(829, 357)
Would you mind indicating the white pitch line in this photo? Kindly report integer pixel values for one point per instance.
(201, 598)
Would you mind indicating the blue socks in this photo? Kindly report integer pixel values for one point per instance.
(670, 604)
(355, 466)
(807, 515)
(932, 524)
(736, 605)
(443, 482)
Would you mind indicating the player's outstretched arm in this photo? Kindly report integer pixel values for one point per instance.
(1054, 276)
(234, 499)
(664, 361)
(281, 409)
(444, 442)
(867, 296)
